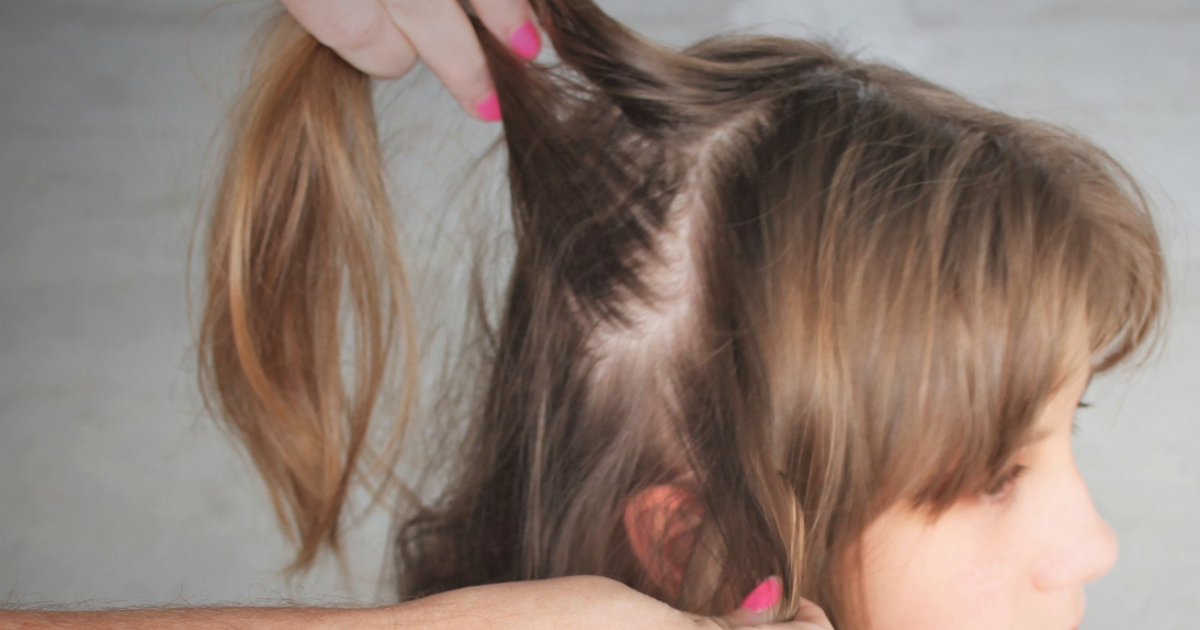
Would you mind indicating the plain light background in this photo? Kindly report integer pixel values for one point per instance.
(116, 489)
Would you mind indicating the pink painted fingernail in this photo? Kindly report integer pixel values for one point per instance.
(525, 41)
(764, 595)
(489, 108)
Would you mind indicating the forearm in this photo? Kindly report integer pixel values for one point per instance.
(499, 607)
(230, 618)
(576, 602)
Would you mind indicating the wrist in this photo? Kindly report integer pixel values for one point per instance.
(549, 604)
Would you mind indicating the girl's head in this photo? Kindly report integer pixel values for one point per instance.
(773, 311)
(1015, 556)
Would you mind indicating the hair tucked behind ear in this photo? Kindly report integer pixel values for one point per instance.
(301, 223)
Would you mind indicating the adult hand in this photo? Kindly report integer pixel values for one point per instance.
(810, 617)
(760, 606)
(585, 602)
(384, 38)
(582, 603)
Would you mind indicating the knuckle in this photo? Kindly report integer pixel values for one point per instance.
(468, 80)
(408, 7)
(353, 30)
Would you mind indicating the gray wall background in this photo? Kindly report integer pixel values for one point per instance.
(116, 489)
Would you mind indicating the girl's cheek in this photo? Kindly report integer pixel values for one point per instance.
(956, 574)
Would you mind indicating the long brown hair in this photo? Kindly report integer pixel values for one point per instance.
(800, 285)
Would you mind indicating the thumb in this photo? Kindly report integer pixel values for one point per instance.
(811, 617)
(759, 607)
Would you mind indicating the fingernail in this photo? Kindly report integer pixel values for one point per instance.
(764, 595)
(525, 41)
(489, 108)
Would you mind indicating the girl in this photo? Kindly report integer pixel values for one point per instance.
(773, 311)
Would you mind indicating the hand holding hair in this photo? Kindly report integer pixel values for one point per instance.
(586, 601)
(762, 605)
(763, 292)
(578, 602)
(385, 38)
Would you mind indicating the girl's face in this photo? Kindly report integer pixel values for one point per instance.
(1015, 560)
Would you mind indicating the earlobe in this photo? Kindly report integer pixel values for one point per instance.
(661, 523)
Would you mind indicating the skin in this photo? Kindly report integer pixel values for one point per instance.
(386, 38)
(1015, 560)
(580, 602)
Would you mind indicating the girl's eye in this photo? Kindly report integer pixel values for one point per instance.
(1005, 484)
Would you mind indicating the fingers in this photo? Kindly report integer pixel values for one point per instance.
(384, 39)
(510, 21)
(359, 31)
(444, 39)
(811, 617)
(761, 606)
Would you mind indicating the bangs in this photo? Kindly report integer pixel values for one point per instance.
(1069, 279)
(1126, 297)
(939, 300)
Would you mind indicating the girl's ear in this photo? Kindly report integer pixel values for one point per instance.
(662, 523)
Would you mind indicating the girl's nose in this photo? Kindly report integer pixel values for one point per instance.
(1083, 547)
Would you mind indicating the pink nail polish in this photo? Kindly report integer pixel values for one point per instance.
(489, 108)
(764, 595)
(525, 41)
